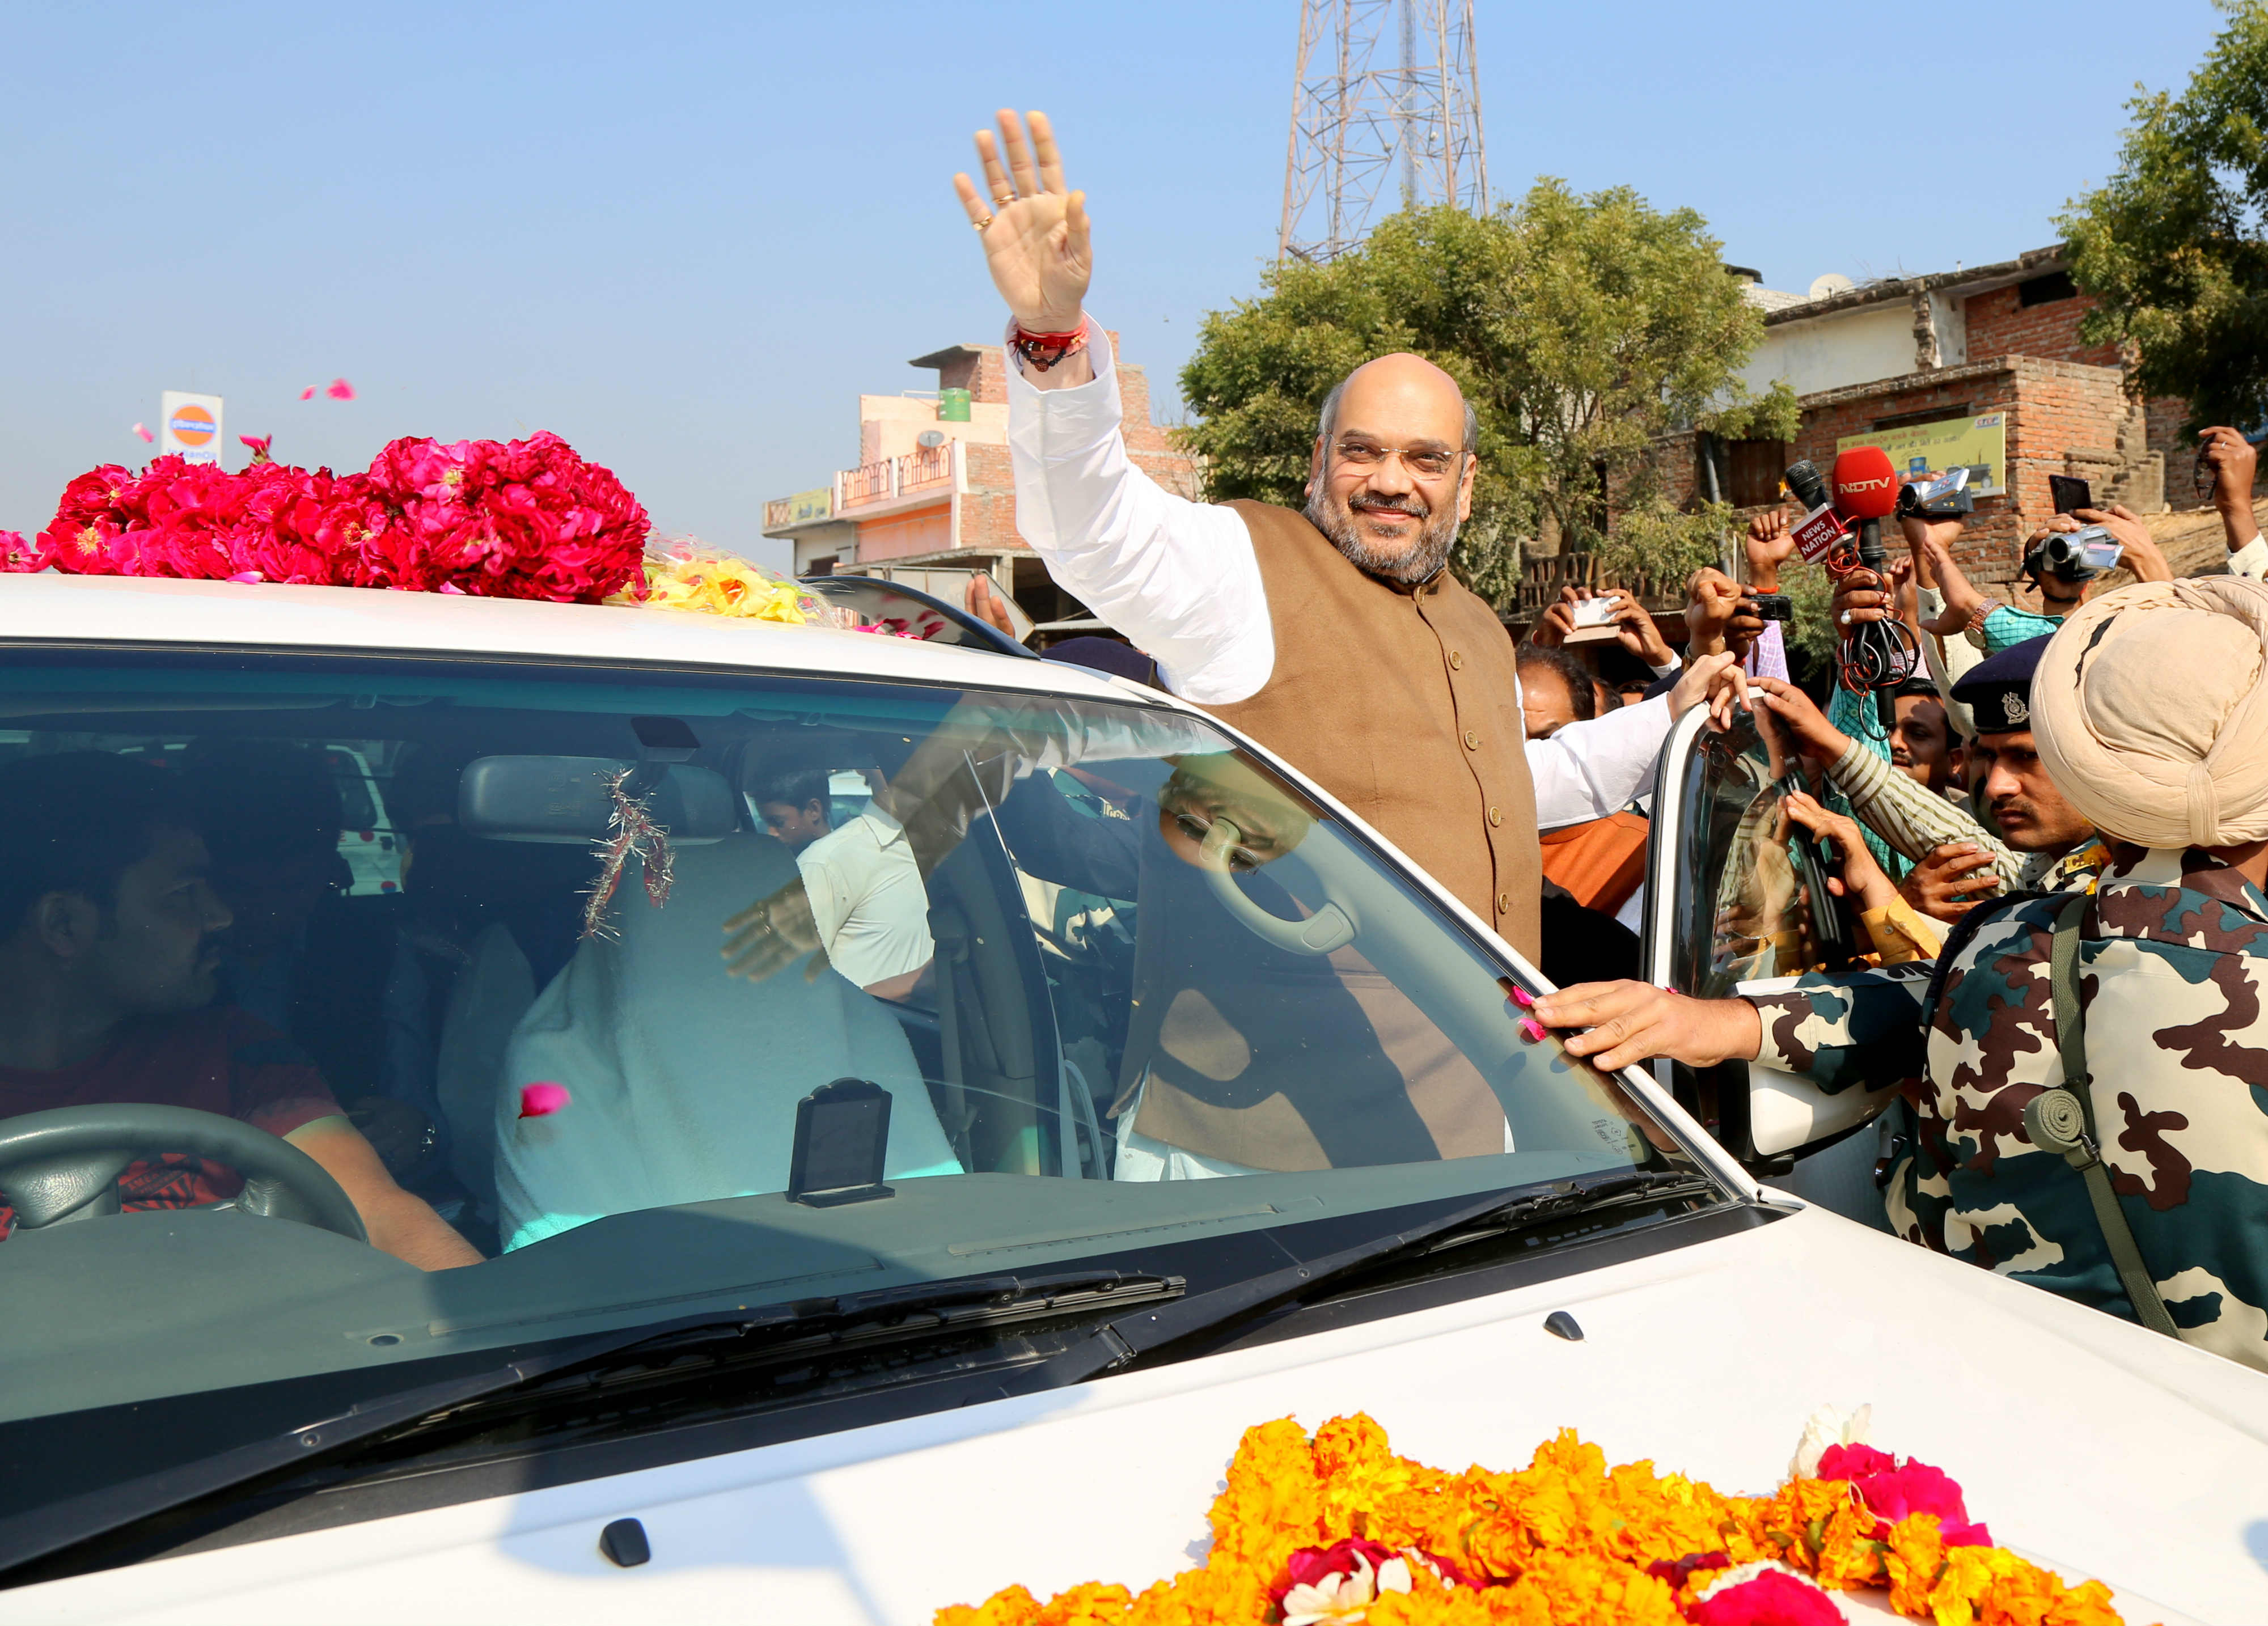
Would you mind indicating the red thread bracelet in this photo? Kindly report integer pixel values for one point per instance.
(1043, 350)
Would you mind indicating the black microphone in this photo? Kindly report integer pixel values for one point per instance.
(1804, 480)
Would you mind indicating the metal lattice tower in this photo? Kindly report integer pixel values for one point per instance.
(1384, 88)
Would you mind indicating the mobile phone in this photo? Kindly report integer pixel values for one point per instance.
(2071, 493)
(1767, 605)
(1592, 612)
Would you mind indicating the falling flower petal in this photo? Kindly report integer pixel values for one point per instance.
(143, 431)
(541, 1100)
(308, 394)
(260, 445)
(339, 390)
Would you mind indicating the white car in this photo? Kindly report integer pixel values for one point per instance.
(861, 1287)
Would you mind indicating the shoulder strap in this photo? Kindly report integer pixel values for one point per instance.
(2066, 1125)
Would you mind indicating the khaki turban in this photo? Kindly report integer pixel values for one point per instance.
(2149, 710)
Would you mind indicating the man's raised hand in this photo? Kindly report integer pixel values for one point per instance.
(1036, 233)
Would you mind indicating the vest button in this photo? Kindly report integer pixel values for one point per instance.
(1496, 815)
(1504, 903)
(1456, 660)
(1472, 740)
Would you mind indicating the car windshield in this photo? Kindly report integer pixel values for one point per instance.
(668, 990)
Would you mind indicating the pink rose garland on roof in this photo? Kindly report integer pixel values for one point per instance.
(524, 519)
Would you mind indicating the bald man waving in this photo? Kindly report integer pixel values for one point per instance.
(1337, 637)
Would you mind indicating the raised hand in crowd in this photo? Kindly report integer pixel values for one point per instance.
(1712, 617)
(2143, 556)
(1037, 240)
(1933, 556)
(1768, 545)
(1862, 881)
(1716, 680)
(2232, 460)
(1558, 619)
(1635, 631)
(1926, 540)
(1806, 724)
(1951, 880)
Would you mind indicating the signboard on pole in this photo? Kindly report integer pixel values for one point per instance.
(1919, 451)
(189, 426)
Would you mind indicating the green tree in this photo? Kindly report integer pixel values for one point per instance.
(2172, 243)
(1581, 329)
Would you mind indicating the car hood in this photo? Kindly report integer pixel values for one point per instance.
(2092, 1446)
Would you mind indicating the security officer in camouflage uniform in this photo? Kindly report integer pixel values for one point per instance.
(2086, 1070)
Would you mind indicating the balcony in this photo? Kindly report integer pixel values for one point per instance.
(930, 468)
(871, 491)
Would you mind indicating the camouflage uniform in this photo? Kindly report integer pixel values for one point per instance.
(2173, 960)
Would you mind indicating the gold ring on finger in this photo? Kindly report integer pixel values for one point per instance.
(1002, 202)
(980, 224)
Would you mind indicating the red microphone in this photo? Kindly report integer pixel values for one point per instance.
(1876, 655)
(1865, 485)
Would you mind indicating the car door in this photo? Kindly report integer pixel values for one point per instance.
(1728, 912)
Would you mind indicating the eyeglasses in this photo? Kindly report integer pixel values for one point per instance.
(1426, 462)
(1240, 858)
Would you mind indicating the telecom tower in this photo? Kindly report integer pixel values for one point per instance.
(1385, 98)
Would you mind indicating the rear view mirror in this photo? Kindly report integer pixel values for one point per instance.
(564, 799)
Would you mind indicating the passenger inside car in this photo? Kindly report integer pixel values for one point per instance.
(866, 889)
(683, 1080)
(108, 974)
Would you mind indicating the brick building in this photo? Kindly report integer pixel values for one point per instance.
(1957, 349)
(932, 497)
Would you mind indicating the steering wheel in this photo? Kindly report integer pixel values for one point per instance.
(63, 1165)
(1329, 927)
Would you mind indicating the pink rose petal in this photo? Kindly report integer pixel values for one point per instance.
(453, 587)
(245, 576)
(1531, 1030)
(1521, 997)
(339, 390)
(143, 430)
(308, 394)
(541, 1100)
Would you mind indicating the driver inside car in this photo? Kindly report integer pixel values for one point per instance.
(108, 971)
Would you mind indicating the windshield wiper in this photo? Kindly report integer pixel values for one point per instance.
(913, 1310)
(1119, 1343)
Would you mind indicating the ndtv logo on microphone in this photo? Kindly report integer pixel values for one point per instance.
(1880, 482)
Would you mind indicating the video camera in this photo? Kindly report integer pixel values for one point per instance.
(2074, 556)
(1945, 497)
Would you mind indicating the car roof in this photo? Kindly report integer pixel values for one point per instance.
(51, 608)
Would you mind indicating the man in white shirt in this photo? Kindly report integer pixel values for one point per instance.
(868, 906)
(1338, 638)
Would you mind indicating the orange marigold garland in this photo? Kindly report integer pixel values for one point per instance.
(1338, 1530)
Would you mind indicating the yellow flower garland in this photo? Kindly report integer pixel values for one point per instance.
(692, 576)
(1567, 1540)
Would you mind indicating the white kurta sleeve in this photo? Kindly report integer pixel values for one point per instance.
(1588, 771)
(1180, 578)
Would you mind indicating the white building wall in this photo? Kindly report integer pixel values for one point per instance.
(1830, 352)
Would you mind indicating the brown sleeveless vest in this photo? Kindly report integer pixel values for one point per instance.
(1404, 704)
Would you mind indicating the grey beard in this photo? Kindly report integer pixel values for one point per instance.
(1437, 534)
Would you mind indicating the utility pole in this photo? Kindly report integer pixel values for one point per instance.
(1382, 88)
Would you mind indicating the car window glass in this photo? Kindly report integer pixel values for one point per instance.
(576, 951)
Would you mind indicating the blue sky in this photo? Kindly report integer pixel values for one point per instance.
(685, 237)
